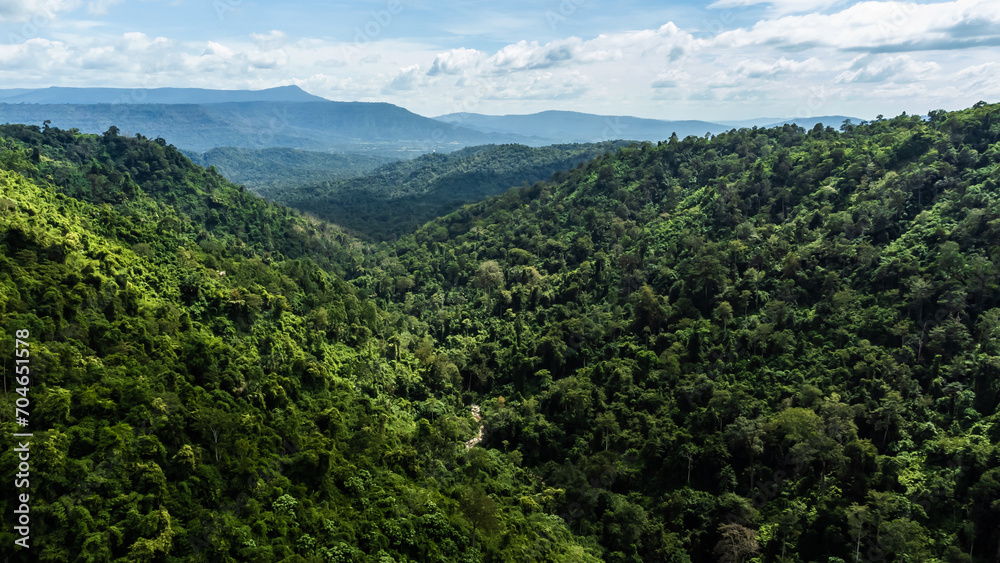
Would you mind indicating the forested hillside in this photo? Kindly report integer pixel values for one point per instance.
(202, 388)
(767, 345)
(399, 197)
(777, 343)
(276, 170)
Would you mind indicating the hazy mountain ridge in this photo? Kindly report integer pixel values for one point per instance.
(834, 121)
(569, 126)
(199, 120)
(372, 127)
(77, 96)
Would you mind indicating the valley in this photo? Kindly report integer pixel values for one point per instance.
(762, 344)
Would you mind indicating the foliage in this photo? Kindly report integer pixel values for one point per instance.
(276, 170)
(778, 339)
(767, 345)
(397, 198)
(203, 390)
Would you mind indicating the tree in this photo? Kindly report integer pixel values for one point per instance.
(889, 413)
(608, 427)
(649, 309)
(737, 543)
(920, 291)
(488, 276)
(748, 433)
(857, 518)
(724, 312)
(217, 426)
(480, 510)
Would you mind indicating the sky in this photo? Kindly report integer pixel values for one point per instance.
(722, 60)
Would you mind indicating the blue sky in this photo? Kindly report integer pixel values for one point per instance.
(730, 59)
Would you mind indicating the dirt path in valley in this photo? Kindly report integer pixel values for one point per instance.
(479, 435)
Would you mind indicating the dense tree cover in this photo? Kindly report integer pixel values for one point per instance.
(769, 345)
(275, 170)
(203, 390)
(398, 197)
(156, 190)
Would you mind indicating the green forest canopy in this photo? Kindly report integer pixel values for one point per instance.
(203, 390)
(398, 197)
(771, 345)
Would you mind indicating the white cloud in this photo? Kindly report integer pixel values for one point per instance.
(136, 41)
(756, 68)
(103, 57)
(213, 49)
(267, 59)
(456, 61)
(407, 79)
(344, 88)
(526, 56)
(883, 69)
(269, 40)
(332, 63)
(885, 51)
(875, 26)
(540, 85)
(670, 79)
(981, 81)
(663, 44)
(667, 41)
(986, 71)
(34, 54)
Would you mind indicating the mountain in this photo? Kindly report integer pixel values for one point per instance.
(397, 198)
(568, 126)
(277, 168)
(12, 92)
(198, 120)
(834, 121)
(203, 386)
(768, 345)
(78, 96)
(372, 128)
(751, 123)
(806, 122)
(571, 126)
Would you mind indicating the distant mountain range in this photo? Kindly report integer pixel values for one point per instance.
(571, 126)
(195, 119)
(375, 128)
(834, 121)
